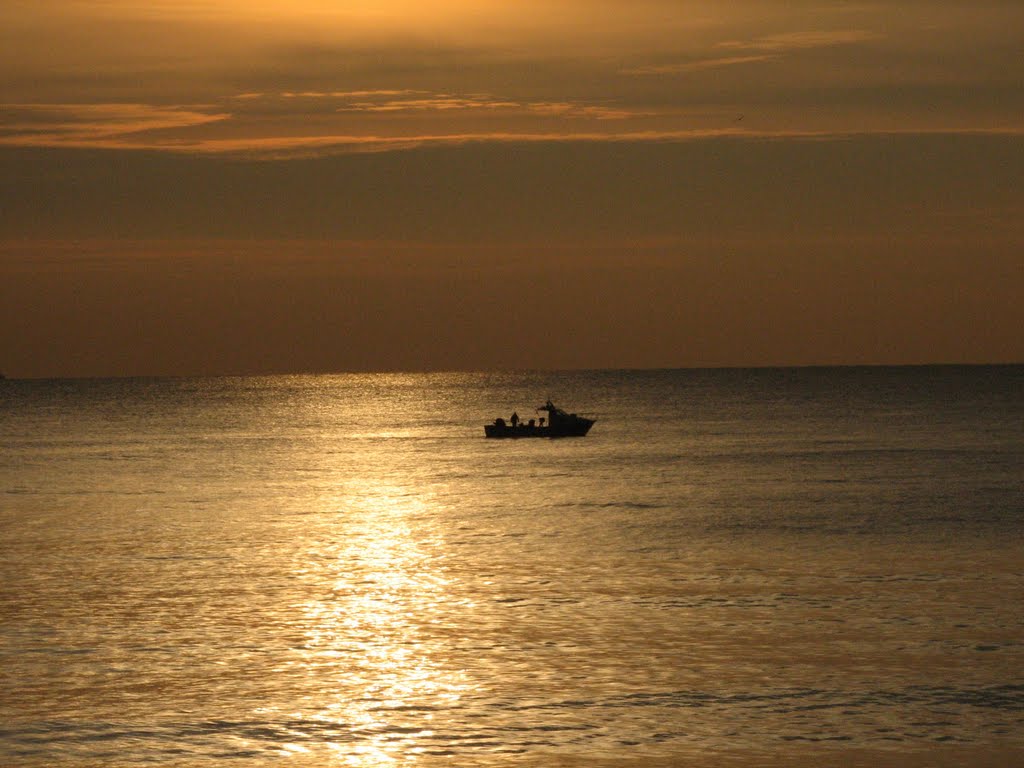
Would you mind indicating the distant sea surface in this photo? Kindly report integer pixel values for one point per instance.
(735, 568)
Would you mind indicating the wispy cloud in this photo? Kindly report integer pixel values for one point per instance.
(794, 41)
(485, 102)
(94, 124)
(323, 146)
(380, 93)
(758, 50)
(412, 101)
(697, 65)
(422, 101)
(316, 146)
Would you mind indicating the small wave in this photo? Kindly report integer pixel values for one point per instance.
(628, 505)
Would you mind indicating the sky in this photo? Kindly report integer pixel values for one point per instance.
(207, 187)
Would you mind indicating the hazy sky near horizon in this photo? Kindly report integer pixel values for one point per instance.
(226, 187)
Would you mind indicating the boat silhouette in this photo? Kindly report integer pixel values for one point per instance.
(559, 424)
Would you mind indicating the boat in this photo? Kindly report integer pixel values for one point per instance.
(559, 424)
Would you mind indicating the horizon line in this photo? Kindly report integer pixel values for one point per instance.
(520, 371)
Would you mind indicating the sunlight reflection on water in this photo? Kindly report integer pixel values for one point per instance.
(366, 651)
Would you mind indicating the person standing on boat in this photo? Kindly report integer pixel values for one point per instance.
(514, 419)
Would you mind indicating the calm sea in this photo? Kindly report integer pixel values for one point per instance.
(735, 568)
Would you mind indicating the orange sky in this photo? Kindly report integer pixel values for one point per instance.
(201, 187)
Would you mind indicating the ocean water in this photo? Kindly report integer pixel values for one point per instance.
(735, 568)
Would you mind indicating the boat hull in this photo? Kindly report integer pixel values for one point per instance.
(578, 428)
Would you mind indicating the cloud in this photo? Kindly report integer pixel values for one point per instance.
(794, 41)
(348, 94)
(324, 146)
(280, 148)
(93, 125)
(418, 101)
(422, 101)
(697, 65)
(757, 50)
